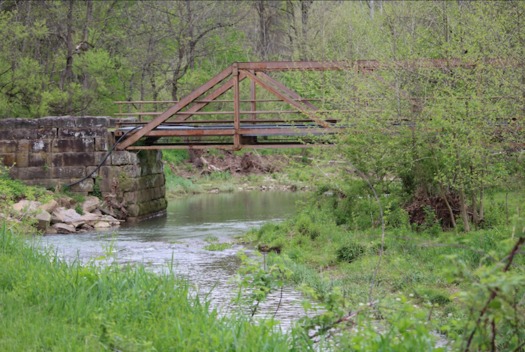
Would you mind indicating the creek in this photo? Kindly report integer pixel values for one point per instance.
(179, 240)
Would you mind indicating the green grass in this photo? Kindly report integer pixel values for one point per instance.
(14, 190)
(50, 305)
(327, 255)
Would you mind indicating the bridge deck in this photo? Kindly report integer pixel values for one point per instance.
(253, 135)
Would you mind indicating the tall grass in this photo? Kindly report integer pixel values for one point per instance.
(47, 304)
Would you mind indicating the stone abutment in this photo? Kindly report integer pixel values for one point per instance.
(56, 152)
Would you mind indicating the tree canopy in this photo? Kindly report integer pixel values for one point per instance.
(78, 56)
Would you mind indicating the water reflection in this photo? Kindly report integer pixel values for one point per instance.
(178, 240)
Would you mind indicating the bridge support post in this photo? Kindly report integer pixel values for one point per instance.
(236, 109)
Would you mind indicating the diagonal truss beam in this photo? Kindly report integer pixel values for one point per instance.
(297, 104)
(287, 90)
(175, 108)
(212, 96)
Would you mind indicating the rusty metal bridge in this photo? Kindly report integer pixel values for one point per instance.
(203, 120)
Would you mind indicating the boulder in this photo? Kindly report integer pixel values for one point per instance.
(66, 216)
(66, 202)
(49, 206)
(43, 220)
(86, 227)
(102, 225)
(26, 206)
(90, 204)
(90, 217)
(64, 228)
(111, 220)
(51, 231)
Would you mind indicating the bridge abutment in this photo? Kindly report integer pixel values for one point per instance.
(55, 152)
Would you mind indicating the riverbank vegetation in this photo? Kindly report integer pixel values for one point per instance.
(225, 171)
(444, 279)
(48, 304)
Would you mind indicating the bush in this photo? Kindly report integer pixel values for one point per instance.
(306, 227)
(350, 252)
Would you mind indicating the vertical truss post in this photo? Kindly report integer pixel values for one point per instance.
(253, 97)
(236, 108)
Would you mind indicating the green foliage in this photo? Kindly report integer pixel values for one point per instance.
(306, 227)
(48, 304)
(218, 246)
(350, 252)
(14, 190)
(435, 270)
(491, 299)
(256, 282)
(174, 157)
(404, 327)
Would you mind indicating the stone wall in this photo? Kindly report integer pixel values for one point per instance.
(55, 152)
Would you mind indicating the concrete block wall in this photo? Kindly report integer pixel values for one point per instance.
(57, 151)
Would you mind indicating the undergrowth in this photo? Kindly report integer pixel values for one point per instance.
(421, 279)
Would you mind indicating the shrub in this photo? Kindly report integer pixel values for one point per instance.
(350, 252)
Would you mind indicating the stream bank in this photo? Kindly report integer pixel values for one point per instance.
(197, 240)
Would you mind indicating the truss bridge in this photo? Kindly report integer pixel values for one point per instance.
(244, 106)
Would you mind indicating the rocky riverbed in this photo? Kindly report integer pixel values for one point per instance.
(65, 215)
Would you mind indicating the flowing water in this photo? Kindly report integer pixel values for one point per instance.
(178, 240)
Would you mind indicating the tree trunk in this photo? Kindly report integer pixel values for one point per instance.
(85, 41)
(175, 86)
(305, 14)
(67, 74)
(450, 211)
(464, 210)
(89, 18)
(189, 20)
(475, 217)
(263, 42)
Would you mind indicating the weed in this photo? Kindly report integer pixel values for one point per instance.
(211, 239)
(218, 246)
(350, 252)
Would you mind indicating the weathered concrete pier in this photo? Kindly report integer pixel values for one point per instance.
(55, 152)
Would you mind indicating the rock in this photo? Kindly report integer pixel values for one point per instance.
(77, 224)
(66, 202)
(110, 219)
(26, 206)
(66, 216)
(51, 231)
(107, 210)
(90, 204)
(64, 228)
(43, 220)
(49, 206)
(102, 225)
(87, 227)
(90, 217)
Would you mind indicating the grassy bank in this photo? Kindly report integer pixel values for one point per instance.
(420, 281)
(288, 170)
(47, 304)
